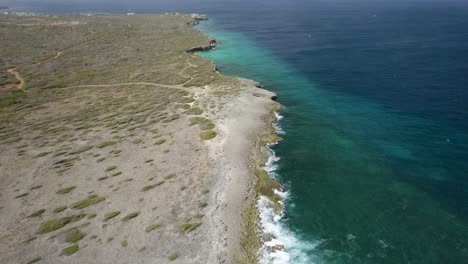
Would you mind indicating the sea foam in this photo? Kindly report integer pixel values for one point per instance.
(282, 245)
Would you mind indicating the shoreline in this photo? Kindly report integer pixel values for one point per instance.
(251, 236)
(242, 132)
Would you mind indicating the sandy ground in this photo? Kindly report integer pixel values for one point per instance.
(244, 119)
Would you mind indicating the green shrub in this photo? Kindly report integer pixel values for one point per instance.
(70, 250)
(207, 135)
(110, 215)
(130, 216)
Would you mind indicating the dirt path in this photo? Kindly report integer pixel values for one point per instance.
(18, 77)
(59, 53)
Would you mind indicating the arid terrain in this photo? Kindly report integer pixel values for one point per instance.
(117, 146)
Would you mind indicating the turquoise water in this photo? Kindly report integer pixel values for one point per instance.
(375, 150)
(345, 161)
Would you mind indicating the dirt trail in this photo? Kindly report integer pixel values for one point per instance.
(59, 53)
(18, 77)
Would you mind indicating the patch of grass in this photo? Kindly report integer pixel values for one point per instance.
(42, 154)
(103, 178)
(111, 168)
(100, 160)
(130, 216)
(54, 224)
(66, 161)
(35, 187)
(207, 135)
(74, 235)
(65, 190)
(81, 150)
(202, 204)
(110, 215)
(124, 243)
(159, 142)
(60, 153)
(160, 183)
(37, 213)
(172, 257)
(148, 187)
(148, 161)
(152, 227)
(116, 174)
(137, 141)
(62, 170)
(205, 191)
(188, 227)
(85, 224)
(60, 209)
(188, 100)
(106, 144)
(91, 200)
(194, 111)
(152, 186)
(34, 260)
(91, 216)
(171, 118)
(70, 250)
(203, 123)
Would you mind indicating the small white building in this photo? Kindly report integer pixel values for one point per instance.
(130, 14)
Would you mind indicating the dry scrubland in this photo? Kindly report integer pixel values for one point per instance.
(120, 147)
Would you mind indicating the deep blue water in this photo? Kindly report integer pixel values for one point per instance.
(375, 155)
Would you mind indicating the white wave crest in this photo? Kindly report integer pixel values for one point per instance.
(281, 245)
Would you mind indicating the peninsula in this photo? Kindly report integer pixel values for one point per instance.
(119, 146)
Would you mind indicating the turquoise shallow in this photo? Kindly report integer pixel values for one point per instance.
(375, 155)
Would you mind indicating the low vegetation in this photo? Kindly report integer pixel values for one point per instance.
(207, 135)
(60, 209)
(91, 200)
(172, 257)
(152, 227)
(55, 224)
(130, 216)
(106, 144)
(110, 215)
(37, 213)
(70, 250)
(66, 190)
(74, 235)
(188, 227)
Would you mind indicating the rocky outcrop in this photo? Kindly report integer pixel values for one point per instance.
(197, 18)
(211, 45)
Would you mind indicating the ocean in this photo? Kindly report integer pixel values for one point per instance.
(374, 156)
